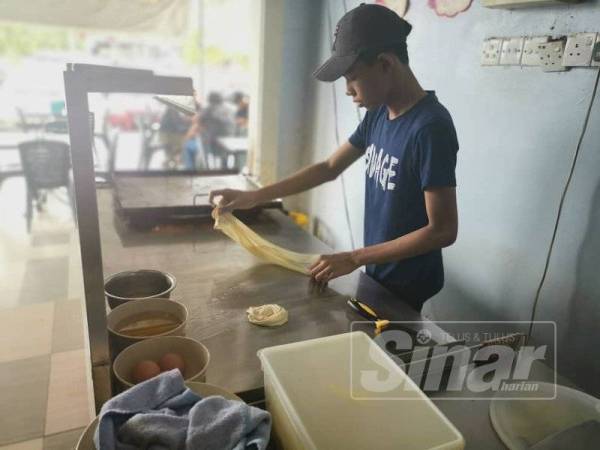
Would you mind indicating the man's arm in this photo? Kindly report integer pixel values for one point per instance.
(304, 179)
(440, 232)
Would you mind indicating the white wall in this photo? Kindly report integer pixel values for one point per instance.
(518, 129)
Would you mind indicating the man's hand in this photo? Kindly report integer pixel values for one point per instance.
(332, 266)
(233, 199)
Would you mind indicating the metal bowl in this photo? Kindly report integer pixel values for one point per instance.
(137, 285)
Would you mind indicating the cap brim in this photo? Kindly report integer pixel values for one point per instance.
(335, 67)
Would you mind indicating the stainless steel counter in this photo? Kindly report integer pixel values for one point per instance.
(218, 280)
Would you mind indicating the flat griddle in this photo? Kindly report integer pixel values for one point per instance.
(146, 199)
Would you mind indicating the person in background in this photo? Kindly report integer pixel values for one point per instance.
(241, 113)
(193, 141)
(171, 131)
(192, 144)
(214, 122)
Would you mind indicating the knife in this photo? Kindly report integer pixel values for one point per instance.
(368, 313)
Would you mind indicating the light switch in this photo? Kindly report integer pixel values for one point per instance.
(511, 51)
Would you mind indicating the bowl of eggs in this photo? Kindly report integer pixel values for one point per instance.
(133, 322)
(148, 358)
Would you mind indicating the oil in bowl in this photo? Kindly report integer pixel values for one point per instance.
(135, 321)
(147, 324)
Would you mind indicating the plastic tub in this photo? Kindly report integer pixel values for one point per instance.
(322, 398)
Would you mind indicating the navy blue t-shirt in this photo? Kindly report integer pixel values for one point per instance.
(405, 156)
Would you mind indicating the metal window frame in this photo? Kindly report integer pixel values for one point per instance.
(81, 80)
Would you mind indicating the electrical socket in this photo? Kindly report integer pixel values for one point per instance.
(551, 54)
(512, 49)
(531, 51)
(596, 52)
(579, 49)
(490, 54)
(523, 3)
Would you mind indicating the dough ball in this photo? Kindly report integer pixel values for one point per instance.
(171, 361)
(267, 315)
(144, 370)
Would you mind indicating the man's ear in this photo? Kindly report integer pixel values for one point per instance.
(386, 60)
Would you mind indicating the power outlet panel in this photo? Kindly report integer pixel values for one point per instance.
(531, 50)
(551, 55)
(490, 54)
(511, 52)
(579, 49)
(523, 3)
(596, 53)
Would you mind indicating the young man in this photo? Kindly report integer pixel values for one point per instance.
(410, 147)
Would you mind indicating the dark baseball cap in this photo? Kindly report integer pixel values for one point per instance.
(365, 27)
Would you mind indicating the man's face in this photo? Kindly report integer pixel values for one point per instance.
(366, 84)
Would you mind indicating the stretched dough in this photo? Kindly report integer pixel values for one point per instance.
(267, 315)
(258, 246)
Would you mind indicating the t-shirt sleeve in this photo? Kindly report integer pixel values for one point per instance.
(359, 138)
(435, 155)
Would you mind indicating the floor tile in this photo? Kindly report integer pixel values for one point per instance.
(62, 441)
(36, 444)
(68, 326)
(68, 406)
(26, 331)
(50, 238)
(45, 280)
(24, 394)
(11, 280)
(75, 284)
(48, 252)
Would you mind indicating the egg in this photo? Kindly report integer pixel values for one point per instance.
(171, 361)
(144, 370)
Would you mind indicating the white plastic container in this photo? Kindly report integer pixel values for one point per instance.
(345, 392)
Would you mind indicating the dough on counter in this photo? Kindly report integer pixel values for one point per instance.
(267, 315)
(258, 246)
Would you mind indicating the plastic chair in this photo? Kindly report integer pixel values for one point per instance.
(25, 124)
(46, 165)
(57, 126)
